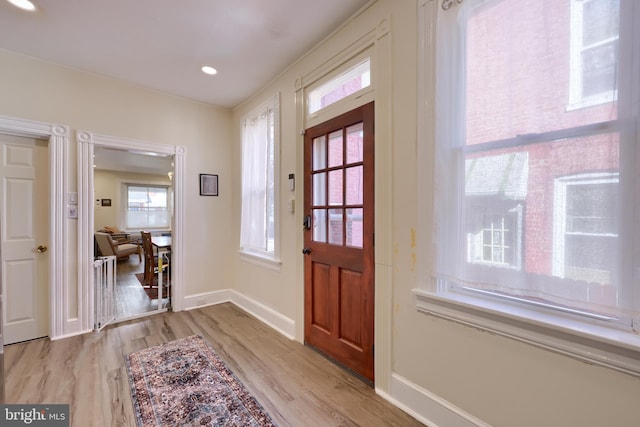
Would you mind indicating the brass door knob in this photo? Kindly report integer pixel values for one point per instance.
(41, 249)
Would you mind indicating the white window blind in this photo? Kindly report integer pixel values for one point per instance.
(147, 207)
(535, 203)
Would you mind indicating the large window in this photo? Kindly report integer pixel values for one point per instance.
(147, 207)
(260, 135)
(535, 203)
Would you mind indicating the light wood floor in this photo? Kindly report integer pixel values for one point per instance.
(296, 385)
(131, 300)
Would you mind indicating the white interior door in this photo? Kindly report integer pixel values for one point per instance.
(24, 213)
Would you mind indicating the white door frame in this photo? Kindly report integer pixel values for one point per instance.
(86, 142)
(60, 323)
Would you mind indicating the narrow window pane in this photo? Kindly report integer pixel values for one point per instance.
(320, 189)
(349, 82)
(319, 153)
(320, 225)
(354, 187)
(354, 227)
(335, 149)
(599, 69)
(335, 188)
(600, 20)
(336, 223)
(355, 137)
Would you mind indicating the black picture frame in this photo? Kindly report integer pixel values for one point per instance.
(208, 184)
(105, 202)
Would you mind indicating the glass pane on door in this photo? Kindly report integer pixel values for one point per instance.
(320, 225)
(355, 137)
(354, 227)
(319, 153)
(335, 149)
(320, 189)
(354, 187)
(335, 226)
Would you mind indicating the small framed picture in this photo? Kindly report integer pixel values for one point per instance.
(106, 202)
(208, 184)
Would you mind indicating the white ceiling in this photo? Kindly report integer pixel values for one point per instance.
(131, 162)
(161, 44)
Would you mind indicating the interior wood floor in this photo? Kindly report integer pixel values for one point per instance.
(296, 385)
(131, 300)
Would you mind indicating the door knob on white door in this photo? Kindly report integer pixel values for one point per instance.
(41, 249)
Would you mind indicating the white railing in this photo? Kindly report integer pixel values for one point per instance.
(104, 279)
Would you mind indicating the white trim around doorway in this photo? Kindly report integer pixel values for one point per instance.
(86, 142)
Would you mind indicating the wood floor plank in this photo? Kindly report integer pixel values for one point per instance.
(296, 385)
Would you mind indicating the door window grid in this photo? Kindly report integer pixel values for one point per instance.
(337, 187)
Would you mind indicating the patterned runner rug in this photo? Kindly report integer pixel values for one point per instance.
(184, 382)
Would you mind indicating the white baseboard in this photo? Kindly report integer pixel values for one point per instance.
(427, 407)
(205, 299)
(69, 335)
(267, 315)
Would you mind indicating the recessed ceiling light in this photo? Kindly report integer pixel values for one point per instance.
(209, 70)
(23, 4)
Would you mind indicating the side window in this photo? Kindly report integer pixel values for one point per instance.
(260, 136)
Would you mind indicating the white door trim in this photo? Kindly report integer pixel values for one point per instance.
(86, 142)
(58, 136)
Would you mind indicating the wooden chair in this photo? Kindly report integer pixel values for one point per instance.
(108, 247)
(151, 266)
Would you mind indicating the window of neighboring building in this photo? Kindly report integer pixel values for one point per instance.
(586, 232)
(594, 51)
(147, 207)
(260, 136)
(535, 204)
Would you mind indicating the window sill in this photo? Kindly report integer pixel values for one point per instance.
(590, 343)
(260, 260)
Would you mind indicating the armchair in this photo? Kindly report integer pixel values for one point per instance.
(108, 246)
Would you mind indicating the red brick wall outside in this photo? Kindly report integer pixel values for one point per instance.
(503, 101)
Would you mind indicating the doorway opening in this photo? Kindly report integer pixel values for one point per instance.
(133, 192)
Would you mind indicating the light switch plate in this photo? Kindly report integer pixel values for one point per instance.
(73, 212)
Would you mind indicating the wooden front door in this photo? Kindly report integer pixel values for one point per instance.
(338, 239)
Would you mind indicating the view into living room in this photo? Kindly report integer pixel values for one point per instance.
(133, 211)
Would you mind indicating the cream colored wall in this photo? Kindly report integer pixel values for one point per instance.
(36, 90)
(498, 380)
(108, 185)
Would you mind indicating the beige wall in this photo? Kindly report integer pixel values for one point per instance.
(36, 90)
(499, 381)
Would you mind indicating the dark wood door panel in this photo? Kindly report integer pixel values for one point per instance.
(338, 239)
